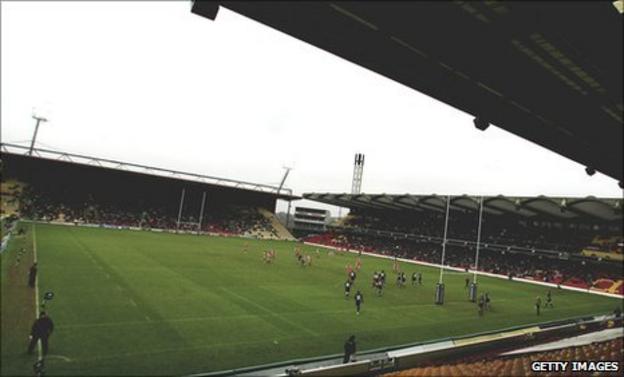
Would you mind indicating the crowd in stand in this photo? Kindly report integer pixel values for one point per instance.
(580, 273)
(525, 233)
(223, 219)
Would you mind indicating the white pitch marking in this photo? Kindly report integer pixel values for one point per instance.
(271, 312)
(132, 302)
(62, 357)
(34, 239)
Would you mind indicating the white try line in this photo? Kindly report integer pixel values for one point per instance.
(34, 239)
(458, 269)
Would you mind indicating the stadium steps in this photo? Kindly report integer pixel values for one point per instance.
(282, 232)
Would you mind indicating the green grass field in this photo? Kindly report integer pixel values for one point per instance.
(129, 302)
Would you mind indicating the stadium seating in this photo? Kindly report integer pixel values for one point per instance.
(509, 231)
(10, 191)
(571, 272)
(606, 247)
(521, 365)
(77, 206)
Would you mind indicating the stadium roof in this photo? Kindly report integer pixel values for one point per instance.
(603, 209)
(283, 193)
(550, 72)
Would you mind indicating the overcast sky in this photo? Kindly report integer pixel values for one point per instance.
(152, 83)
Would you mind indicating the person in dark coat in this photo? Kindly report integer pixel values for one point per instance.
(32, 275)
(349, 349)
(41, 329)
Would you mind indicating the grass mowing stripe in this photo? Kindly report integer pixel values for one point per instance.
(270, 312)
(127, 290)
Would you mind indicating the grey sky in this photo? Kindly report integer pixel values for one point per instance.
(153, 83)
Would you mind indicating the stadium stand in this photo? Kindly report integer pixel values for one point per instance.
(540, 238)
(97, 195)
(493, 35)
(11, 192)
(572, 272)
(606, 247)
(506, 230)
(521, 365)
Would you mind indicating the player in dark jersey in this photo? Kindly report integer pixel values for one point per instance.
(467, 283)
(379, 287)
(487, 300)
(481, 304)
(382, 277)
(538, 304)
(419, 278)
(359, 299)
(414, 279)
(347, 288)
(548, 300)
(352, 276)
